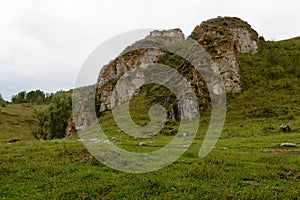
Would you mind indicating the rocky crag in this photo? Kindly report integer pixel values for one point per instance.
(223, 38)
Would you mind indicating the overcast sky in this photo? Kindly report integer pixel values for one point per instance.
(44, 43)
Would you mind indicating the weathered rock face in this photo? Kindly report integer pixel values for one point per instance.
(224, 38)
(173, 35)
(112, 72)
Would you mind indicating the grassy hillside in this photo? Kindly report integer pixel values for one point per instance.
(271, 90)
(16, 122)
(247, 163)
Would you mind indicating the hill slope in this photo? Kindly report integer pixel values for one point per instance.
(247, 163)
(16, 122)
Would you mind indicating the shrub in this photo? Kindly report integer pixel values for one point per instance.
(60, 110)
(41, 131)
(53, 120)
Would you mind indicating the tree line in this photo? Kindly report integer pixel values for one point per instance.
(34, 96)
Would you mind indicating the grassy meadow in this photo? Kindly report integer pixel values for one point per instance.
(246, 163)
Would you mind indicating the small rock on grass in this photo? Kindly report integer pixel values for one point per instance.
(188, 134)
(142, 144)
(251, 182)
(285, 128)
(13, 140)
(288, 145)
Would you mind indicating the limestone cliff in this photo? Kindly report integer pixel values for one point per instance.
(130, 59)
(223, 38)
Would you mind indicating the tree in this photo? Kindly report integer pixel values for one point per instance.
(41, 131)
(19, 98)
(14, 98)
(34, 96)
(48, 98)
(39, 100)
(52, 121)
(60, 110)
(2, 101)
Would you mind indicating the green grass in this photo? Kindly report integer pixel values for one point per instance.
(250, 168)
(16, 122)
(246, 163)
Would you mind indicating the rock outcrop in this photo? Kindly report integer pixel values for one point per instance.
(223, 38)
(112, 72)
(172, 36)
(133, 58)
